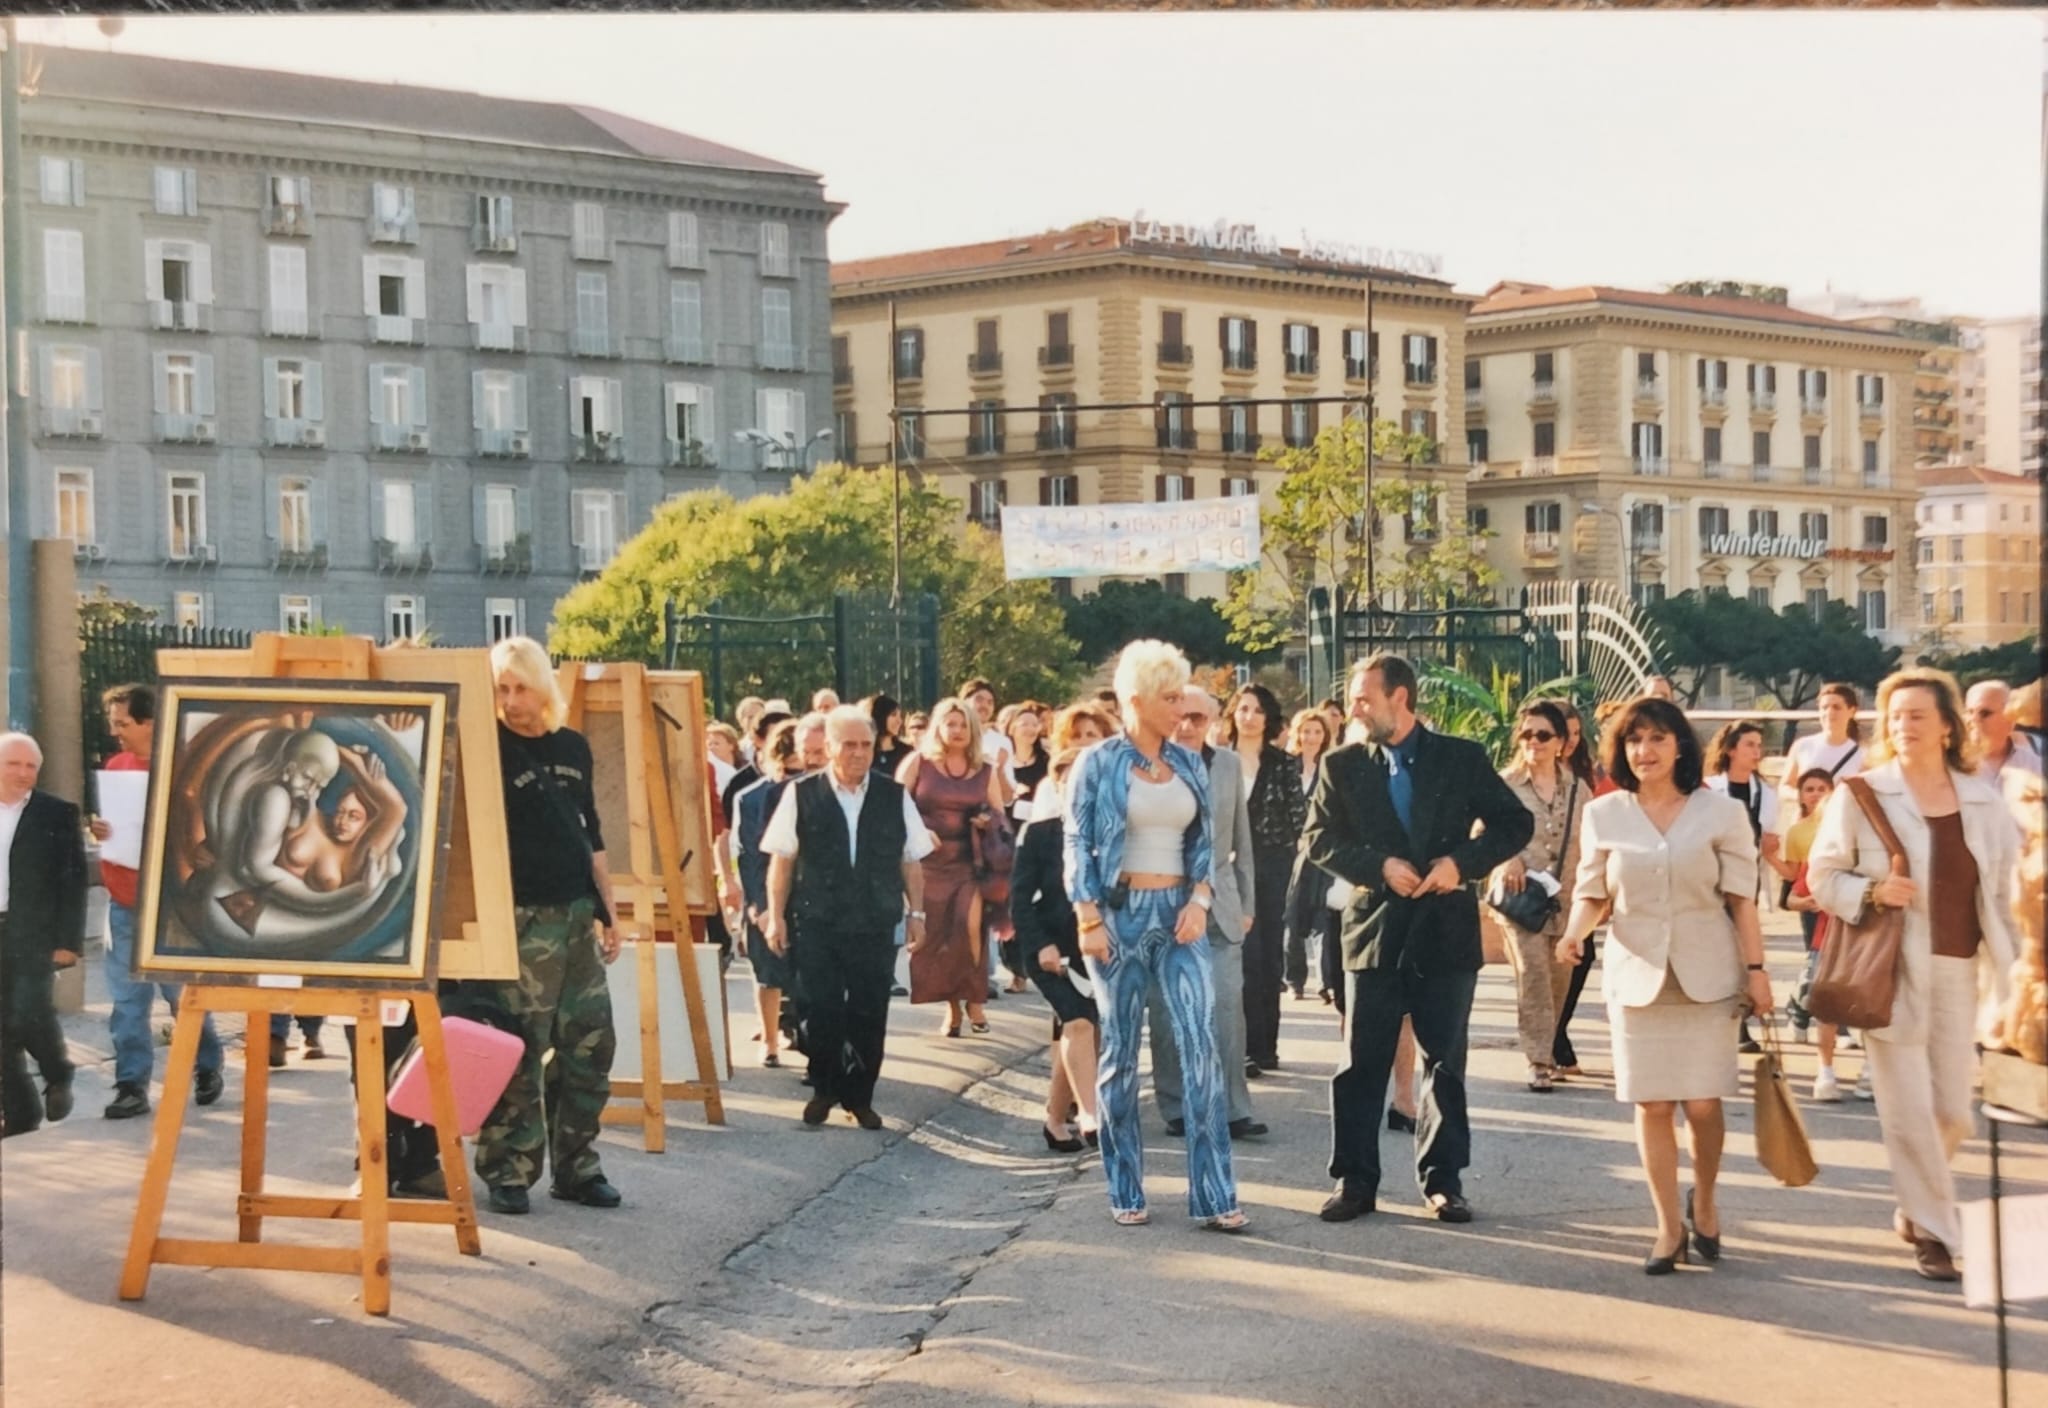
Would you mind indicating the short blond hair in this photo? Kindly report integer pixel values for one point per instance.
(1146, 670)
(526, 660)
(932, 744)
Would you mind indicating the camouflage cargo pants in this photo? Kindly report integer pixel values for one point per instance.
(561, 1004)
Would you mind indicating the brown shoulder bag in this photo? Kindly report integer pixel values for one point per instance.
(1857, 973)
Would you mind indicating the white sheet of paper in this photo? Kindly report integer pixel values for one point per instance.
(2024, 1223)
(124, 798)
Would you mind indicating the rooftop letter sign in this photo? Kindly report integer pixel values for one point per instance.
(1131, 540)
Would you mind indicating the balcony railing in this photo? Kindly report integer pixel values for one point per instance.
(397, 328)
(1813, 474)
(1057, 355)
(404, 439)
(590, 247)
(689, 454)
(291, 322)
(1176, 354)
(1646, 539)
(1870, 410)
(1301, 364)
(592, 342)
(984, 363)
(1539, 544)
(1539, 467)
(403, 557)
(1239, 359)
(781, 357)
(299, 557)
(598, 447)
(1652, 465)
(1182, 438)
(1762, 401)
(186, 428)
(985, 442)
(400, 229)
(1240, 442)
(1714, 397)
(1763, 473)
(179, 315)
(1713, 469)
(842, 375)
(295, 433)
(1649, 388)
(503, 443)
(76, 422)
(690, 351)
(498, 337)
(1419, 374)
(1056, 437)
(289, 218)
(1813, 405)
(1543, 393)
(486, 238)
(1355, 369)
(910, 369)
(513, 556)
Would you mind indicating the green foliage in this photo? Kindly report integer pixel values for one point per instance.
(2016, 662)
(1122, 611)
(1730, 288)
(102, 608)
(1314, 533)
(1456, 704)
(1787, 654)
(787, 555)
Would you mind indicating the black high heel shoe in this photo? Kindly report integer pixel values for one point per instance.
(1665, 1265)
(1400, 1123)
(1709, 1248)
(1060, 1145)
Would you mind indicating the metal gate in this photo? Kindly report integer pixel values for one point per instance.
(861, 646)
(125, 653)
(1474, 640)
(1604, 633)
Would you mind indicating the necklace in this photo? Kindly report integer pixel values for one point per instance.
(946, 767)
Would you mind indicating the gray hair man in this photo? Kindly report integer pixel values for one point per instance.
(42, 929)
(1229, 921)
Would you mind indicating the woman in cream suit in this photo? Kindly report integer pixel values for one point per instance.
(1958, 947)
(1676, 865)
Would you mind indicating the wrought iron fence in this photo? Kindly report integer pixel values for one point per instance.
(125, 653)
(861, 646)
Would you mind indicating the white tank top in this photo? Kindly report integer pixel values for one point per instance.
(1157, 822)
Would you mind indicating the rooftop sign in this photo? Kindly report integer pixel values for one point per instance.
(1227, 237)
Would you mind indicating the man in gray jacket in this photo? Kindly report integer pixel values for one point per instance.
(1229, 921)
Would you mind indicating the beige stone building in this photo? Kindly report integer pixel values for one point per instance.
(1949, 351)
(2014, 432)
(1669, 442)
(1001, 347)
(1978, 535)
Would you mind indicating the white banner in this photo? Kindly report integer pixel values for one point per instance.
(1132, 540)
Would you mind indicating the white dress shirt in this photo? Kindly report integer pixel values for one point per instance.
(780, 837)
(10, 822)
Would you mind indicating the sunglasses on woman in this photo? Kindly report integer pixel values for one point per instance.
(1536, 735)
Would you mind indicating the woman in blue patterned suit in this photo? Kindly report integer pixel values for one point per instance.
(1139, 851)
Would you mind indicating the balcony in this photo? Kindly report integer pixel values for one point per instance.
(910, 369)
(179, 315)
(1240, 442)
(1813, 405)
(396, 328)
(842, 374)
(488, 238)
(1176, 354)
(397, 229)
(71, 422)
(984, 443)
(1655, 466)
(291, 322)
(1713, 469)
(1646, 539)
(403, 557)
(1543, 393)
(511, 556)
(1056, 438)
(302, 557)
(689, 454)
(1424, 532)
(288, 218)
(1239, 359)
(190, 554)
(1870, 410)
(1355, 369)
(1475, 403)
(1301, 364)
(503, 443)
(1813, 474)
(403, 439)
(690, 351)
(598, 447)
(1181, 439)
(1763, 402)
(1763, 473)
(1539, 467)
(294, 433)
(1649, 391)
(983, 364)
(595, 247)
(1059, 355)
(781, 357)
(1714, 398)
(183, 428)
(592, 342)
(1418, 374)
(1540, 546)
(497, 337)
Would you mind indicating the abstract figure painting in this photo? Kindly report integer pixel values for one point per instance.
(296, 830)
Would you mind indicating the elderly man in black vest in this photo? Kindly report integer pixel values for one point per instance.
(845, 847)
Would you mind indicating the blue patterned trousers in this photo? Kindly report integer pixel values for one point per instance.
(1143, 951)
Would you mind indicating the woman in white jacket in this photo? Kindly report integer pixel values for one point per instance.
(1958, 940)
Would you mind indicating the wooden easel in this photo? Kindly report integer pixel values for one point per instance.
(649, 884)
(478, 941)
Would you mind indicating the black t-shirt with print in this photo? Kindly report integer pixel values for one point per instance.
(550, 822)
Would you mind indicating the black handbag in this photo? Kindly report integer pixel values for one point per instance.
(1532, 907)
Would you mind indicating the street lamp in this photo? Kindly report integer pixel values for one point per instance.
(796, 457)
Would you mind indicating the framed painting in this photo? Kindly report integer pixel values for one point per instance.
(296, 832)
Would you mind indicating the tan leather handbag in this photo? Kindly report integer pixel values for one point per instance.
(1782, 1146)
(1856, 976)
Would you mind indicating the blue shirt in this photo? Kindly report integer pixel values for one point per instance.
(1097, 816)
(1401, 776)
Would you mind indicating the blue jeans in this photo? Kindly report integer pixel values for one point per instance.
(128, 1021)
(1142, 951)
(281, 1026)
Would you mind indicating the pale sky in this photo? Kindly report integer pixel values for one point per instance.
(1884, 154)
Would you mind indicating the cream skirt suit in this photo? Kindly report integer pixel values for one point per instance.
(1674, 970)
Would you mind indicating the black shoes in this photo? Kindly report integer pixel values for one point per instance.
(898, 990)
(510, 1200)
(1665, 1265)
(1346, 1205)
(866, 1117)
(1450, 1207)
(1060, 1143)
(1248, 1129)
(597, 1193)
(1252, 1071)
(130, 1102)
(208, 1086)
(1176, 1128)
(816, 1109)
(1400, 1123)
(431, 1185)
(57, 1100)
(1709, 1248)
(1268, 1062)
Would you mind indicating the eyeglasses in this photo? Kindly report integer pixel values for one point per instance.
(1536, 735)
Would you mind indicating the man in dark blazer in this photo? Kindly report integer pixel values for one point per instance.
(42, 929)
(1395, 818)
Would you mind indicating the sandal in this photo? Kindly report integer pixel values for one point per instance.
(1232, 1221)
(978, 1028)
(1130, 1217)
(771, 1060)
(950, 1029)
(1539, 1078)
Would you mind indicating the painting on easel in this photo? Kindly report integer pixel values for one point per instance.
(296, 831)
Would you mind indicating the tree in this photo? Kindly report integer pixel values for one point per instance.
(787, 555)
(1786, 654)
(2017, 662)
(1314, 534)
(1123, 611)
(1731, 288)
(103, 609)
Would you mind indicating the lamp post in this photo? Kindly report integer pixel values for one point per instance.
(795, 457)
(1628, 556)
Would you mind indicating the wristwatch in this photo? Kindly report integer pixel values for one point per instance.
(917, 914)
(1205, 901)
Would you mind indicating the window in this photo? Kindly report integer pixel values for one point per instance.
(290, 205)
(1056, 421)
(403, 617)
(2026, 608)
(1955, 549)
(1173, 340)
(985, 428)
(394, 296)
(185, 522)
(1545, 378)
(75, 519)
(64, 276)
(1760, 448)
(1059, 490)
(297, 614)
(1543, 517)
(986, 505)
(1763, 386)
(1059, 341)
(175, 190)
(1240, 428)
(292, 514)
(1421, 425)
(1476, 442)
(1646, 525)
(1473, 385)
(909, 354)
(289, 315)
(1877, 530)
(845, 436)
(1763, 523)
(1302, 348)
(398, 514)
(291, 397)
(498, 412)
(1418, 355)
(1361, 354)
(1927, 608)
(1810, 447)
(1646, 370)
(2005, 513)
(1477, 518)
(1238, 486)
(1814, 526)
(988, 352)
(1710, 444)
(497, 306)
(497, 519)
(1869, 392)
(593, 335)
(690, 436)
(1424, 513)
(1173, 488)
(774, 249)
(595, 517)
(1240, 339)
(1172, 421)
(1870, 463)
(684, 250)
(1647, 438)
(588, 241)
(1813, 390)
(491, 230)
(2004, 607)
(686, 323)
(398, 402)
(1760, 596)
(392, 217)
(504, 617)
(1955, 604)
(596, 414)
(781, 414)
(778, 341)
(1926, 551)
(1301, 426)
(1955, 513)
(190, 610)
(70, 390)
(1713, 522)
(910, 435)
(1870, 608)
(1545, 432)
(63, 181)
(178, 282)
(184, 395)
(1713, 381)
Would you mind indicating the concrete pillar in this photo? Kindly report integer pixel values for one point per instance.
(56, 673)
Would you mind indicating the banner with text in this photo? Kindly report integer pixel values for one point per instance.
(1132, 540)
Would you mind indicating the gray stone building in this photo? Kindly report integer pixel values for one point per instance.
(394, 359)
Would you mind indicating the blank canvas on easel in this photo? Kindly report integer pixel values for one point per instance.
(678, 1050)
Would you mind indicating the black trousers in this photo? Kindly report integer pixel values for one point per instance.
(1440, 1006)
(846, 979)
(411, 1149)
(1265, 956)
(1561, 1050)
(28, 1029)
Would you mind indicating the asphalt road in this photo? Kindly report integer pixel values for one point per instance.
(951, 1259)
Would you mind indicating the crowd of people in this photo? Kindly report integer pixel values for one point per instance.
(1154, 857)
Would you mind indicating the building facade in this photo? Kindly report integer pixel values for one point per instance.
(1671, 442)
(391, 359)
(1950, 349)
(1213, 344)
(2014, 430)
(1978, 539)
